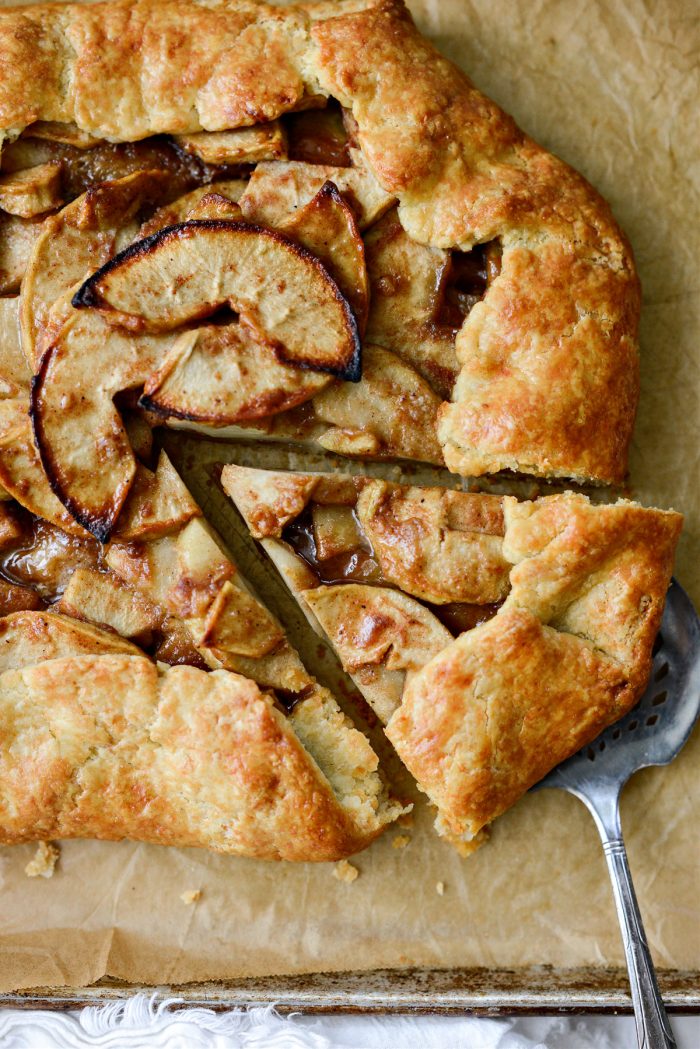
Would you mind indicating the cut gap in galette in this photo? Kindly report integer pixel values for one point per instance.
(492, 637)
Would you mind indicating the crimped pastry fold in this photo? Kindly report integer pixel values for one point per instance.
(112, 746)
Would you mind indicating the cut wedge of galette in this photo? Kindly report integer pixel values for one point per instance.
(161, 700)
(492, 637)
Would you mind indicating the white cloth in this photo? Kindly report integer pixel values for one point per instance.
(140, 1023)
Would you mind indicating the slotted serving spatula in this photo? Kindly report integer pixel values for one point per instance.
(651, 734)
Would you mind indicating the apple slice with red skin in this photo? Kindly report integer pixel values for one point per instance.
(186, 272)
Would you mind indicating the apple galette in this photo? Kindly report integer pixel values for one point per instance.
(298, 224)
(492, 637)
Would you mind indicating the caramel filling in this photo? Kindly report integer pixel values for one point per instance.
(468, 276)
(288, 698)
(44, 558)
(359, 565)
(36, 567)
(83, 168)
(319, 136)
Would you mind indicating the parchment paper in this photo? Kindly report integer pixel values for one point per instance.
(613, 88)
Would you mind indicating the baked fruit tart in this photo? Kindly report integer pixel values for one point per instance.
(220, 218)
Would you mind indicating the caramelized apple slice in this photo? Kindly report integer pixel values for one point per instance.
(243, 145)
(392, 412)
(188, 271)
(79, 433)
(326, 226)
(81, 237)
(158, 503)
(31, 192)
(17, 238)
(224, 375)
(14, 373)
(215, 206)
(102, 598)
(28, 638)
(181, 209)
(21, 473)
(277, 189)
(406, 279)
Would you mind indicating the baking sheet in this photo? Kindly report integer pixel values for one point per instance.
(613, 89)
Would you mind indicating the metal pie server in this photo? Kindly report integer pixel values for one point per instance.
(652, 733)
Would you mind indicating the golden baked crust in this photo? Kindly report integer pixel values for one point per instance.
(568, 654)
(557, 330)
(112, 747)
(600, 572)
(547, 362)
(480, 712)
(496, 710)
(245, 63)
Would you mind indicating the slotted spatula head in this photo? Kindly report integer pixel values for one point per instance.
(655, 730)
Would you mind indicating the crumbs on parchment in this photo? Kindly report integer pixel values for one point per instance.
(401, 841)
(44, 860)
(191, 896)
(440, 888)
(345, 871)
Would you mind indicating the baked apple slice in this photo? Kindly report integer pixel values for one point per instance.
(215, 206)
(14, 372)
(221, 376)
(277, 189)
(187, 272)
(31, 637)
(17, 238)
(243, 145)
(21, 472)
(81, 237)
(79, 433)
(64, 133)
(182, 207)
(32, 191)
(391, 413)
(406, 281)
(326, 226)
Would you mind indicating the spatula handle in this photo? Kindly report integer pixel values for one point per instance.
(653, 1027)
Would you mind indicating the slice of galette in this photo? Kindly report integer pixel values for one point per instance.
(492, 637)
(151, 695)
